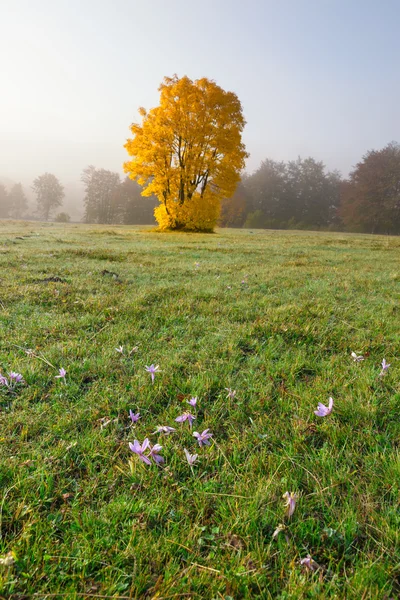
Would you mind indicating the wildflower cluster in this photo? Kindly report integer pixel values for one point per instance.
(12, 382)
(148, 453)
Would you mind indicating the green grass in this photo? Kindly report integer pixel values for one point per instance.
(85, 518)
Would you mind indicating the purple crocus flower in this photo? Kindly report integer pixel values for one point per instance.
(191, 458)
(62, 373)
(385, 367)
(134, 417)
(153, 369)
(154, 453)
(16, 377)
(291, 498)
(165, 429)
(203, 438)
(309, 563)
(324, 411)
(231, 393)
(140, 449)
(192, 401)
(187, 416)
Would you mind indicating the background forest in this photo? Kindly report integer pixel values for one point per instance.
(298, 194)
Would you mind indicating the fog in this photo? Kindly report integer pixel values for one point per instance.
(315, 78)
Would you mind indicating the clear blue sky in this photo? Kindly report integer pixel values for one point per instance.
(315, 77)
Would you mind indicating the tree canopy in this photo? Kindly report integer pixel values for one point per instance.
(296, 194)
(18, 201)
(101, 197)
(371, 195)
(188, 152)
(49, 194)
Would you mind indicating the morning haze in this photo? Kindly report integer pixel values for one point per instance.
(315, 78)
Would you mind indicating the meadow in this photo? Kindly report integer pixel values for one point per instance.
(271, 316)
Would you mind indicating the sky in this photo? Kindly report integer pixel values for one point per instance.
(315, 78)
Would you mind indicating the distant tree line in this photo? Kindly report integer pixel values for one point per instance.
(298, 194)
(302, 194)
(49, 195)
(279, 195)
(107, 199)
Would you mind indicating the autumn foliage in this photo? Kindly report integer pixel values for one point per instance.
(188, 152)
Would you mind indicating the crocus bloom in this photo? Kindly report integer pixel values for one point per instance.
(134, 418)
(356, 359)
(203, 438)
(291, 498)
(309, 563)
(13, 380)
(140, 449)
(324, 411)
(62, 373)
(164, 429)
(154, 453)
(153, 369)
(187, 416)
(385, 367)
(191, 458)
(192, 401)
(17, 377)
(120, 349)
(231, 393)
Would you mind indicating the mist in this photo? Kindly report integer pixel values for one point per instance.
(315, 79)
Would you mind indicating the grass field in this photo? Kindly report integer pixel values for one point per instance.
(271, 315)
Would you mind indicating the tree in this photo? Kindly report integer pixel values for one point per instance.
(188, 152)
(137, 210)
(296, 194)
(18, 201)
(370, 198)
(49, 194)
(4, 202)
(102, 202)
(269, 199)
(314, 194)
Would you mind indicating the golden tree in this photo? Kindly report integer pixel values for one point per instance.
(188, 152)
